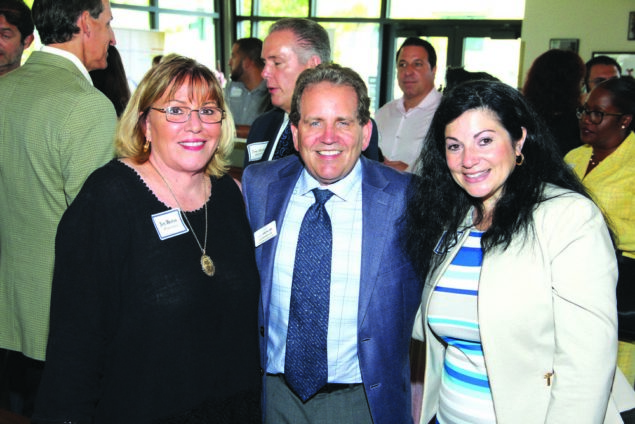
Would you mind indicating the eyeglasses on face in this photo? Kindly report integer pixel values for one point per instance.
(595, 116)
(181, 114)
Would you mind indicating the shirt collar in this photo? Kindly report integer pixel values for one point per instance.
(70, 56)
(344, 188)
(422, 104)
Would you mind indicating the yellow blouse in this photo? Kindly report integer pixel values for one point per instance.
(612, 185)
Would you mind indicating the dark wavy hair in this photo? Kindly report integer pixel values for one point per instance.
(56, 20)
(437, 203)
(17, 13)
(554, 82)
(334, 74)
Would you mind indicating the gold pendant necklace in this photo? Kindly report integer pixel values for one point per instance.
(206, 262)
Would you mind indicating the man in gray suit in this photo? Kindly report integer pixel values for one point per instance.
(55, 129)
(354, 368)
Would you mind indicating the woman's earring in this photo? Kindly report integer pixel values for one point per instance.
(521, 161)
(146, 146)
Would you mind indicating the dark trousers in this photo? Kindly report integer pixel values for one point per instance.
(19, 381)
(343, 406)
(626, 298)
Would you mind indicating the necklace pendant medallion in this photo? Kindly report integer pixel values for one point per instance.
(208, 265)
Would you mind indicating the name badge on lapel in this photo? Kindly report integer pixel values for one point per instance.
(267, 232)
(256, 150)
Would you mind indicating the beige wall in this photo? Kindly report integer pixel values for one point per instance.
(600, 25)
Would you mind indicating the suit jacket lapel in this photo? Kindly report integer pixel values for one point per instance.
(376, 209)
(272, 132)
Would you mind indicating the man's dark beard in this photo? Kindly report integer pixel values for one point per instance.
(237, 73)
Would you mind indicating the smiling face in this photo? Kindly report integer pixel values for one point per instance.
(181, 147)
(481, 155)
(414, 74)
(11, 46)
(329, 137)
(99, 35)
(282, 66)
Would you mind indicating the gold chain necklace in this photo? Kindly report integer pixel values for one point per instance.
(206, 262)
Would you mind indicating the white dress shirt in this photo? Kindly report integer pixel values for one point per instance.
(401, 132)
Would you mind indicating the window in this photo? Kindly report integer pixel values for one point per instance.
(146, 28)
(347, 9)
(457, 9)
(365, 34)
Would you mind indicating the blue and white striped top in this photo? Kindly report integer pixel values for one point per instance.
(465, 395)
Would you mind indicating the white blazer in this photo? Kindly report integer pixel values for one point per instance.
(548, 321)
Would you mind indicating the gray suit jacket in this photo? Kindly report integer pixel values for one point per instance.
(389, 289)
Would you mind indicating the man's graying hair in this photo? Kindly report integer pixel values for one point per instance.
(336, 75)
(312, 38)
(56, 20)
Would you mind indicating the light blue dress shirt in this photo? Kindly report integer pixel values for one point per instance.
(345, 211)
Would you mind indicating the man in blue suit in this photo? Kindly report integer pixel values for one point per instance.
(374, 293)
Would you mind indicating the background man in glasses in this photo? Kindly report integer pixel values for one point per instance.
(55, 129)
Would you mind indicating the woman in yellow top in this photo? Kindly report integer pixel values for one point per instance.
(605, 163)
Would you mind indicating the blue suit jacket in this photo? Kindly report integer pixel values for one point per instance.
(390, 292)
(266, 127)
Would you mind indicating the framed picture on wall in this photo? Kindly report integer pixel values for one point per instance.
(564, 44)
(625, 59)
(631, 26)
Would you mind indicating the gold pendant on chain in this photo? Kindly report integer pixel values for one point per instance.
(208, 265)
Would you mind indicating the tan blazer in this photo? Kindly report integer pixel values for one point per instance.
(548, 321)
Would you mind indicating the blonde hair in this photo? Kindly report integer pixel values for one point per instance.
(166, 78)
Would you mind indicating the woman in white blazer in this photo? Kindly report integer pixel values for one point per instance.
(518, 312)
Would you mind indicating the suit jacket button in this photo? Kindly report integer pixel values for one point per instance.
(262, 331)
(262, 372)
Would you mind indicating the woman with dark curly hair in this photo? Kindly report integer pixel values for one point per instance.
(518, 310)
(553, 86)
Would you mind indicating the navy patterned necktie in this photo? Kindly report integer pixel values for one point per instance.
(306, 365)
(285, 144)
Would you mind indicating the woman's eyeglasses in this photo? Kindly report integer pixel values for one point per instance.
(595, 116)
